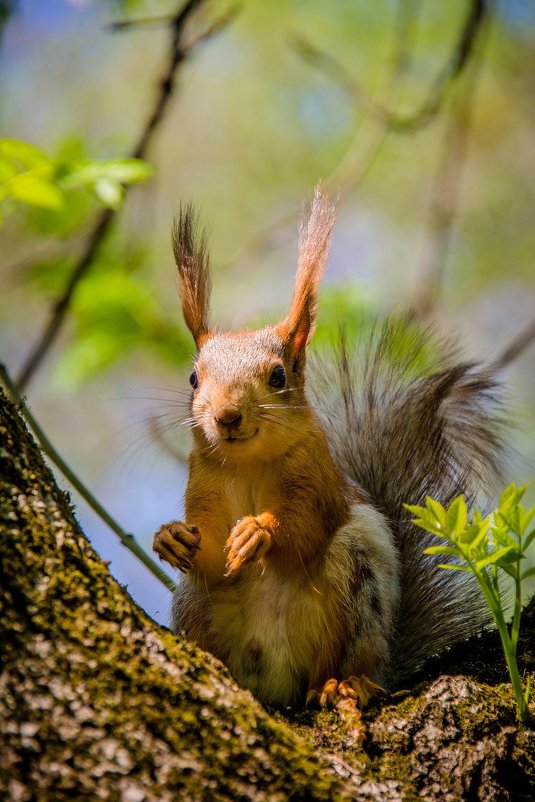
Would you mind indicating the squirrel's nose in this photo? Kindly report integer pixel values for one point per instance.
(228, 416)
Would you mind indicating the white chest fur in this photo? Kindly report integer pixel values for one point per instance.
(279, 634)
(264, 626)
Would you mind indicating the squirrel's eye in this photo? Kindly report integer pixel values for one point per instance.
(278, 377)
(193, 380)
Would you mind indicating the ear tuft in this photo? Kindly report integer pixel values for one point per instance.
(314, 238)
(192, 260)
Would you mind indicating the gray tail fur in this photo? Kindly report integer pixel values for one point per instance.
(408, 420)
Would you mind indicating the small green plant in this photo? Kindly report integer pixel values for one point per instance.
(486, 546)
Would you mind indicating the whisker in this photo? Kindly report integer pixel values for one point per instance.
(282, 406)
(280, 422)
(279, 392)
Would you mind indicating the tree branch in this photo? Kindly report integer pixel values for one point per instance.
(516, 347)
(362, 151)
(444, 200)
(434, 100)
(177, 53)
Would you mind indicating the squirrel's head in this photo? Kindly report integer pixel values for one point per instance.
(248, 386)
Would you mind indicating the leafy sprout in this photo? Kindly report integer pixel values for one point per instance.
(486, 547)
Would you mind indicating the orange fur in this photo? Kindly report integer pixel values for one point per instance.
(314, 238)
(277, 520)
(192, 261)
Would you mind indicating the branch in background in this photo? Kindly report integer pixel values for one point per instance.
(359, 157)
(516, 347)
(179, 49)
(120, 25)
(444, 199)
(126, 539)
(433, 102)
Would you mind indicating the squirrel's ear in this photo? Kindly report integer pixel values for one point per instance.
(192, 260)
(314, 238)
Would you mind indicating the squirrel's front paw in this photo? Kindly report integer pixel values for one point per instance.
(247, 542)
(177, 543)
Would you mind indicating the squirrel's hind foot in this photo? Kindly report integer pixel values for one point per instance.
(177, 544)
(359, 690)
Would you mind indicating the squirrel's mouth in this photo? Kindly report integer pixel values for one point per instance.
(240, 438)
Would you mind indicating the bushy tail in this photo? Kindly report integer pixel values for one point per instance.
(407, 420)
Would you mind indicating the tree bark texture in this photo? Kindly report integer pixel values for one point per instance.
(99, 702)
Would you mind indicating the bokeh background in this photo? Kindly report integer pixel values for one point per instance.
(428, 137)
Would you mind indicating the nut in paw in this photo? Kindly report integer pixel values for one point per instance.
(248, 542)
(177, 543)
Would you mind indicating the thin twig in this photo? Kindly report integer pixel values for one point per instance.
(444, 198)
(120, 25)
(516, 347)
(126, 539)
(361, 153)
(178, 51)
(434, 100)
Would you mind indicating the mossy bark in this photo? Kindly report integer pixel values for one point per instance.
(99, 702)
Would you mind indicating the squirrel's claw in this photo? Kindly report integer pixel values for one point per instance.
(177, 544)
(348, 698)
(247, 543)
(357, 689)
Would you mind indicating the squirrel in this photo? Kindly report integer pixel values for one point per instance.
(303, 571)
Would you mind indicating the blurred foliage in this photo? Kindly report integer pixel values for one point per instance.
(29, 175)
(251, 129)
(116, 315)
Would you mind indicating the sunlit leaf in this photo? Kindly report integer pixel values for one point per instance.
(528, 540)
(457, 516)
(27, 155)
(494, 557)
(110, 192)
(437, 510)
(529, 572)
(7, 170)
(442, 550)
(122, 171)
(36, 191)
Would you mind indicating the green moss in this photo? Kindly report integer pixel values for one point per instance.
(97, 696)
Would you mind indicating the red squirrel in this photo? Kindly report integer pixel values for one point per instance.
(302, 571)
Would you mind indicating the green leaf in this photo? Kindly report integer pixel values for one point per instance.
(479, 539)
(110, 192)
(442, 550)
(528, 540)
(415, 509)
(512, 495)
(35, 190)
(494, 557)
(451, 567)
(528, 573)
(27, 155)
(7, 170)
(527, 517)
(438, 512)
(457, 516)
(426, 520)
(509, 570)
(121, 171)
(513, 556)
